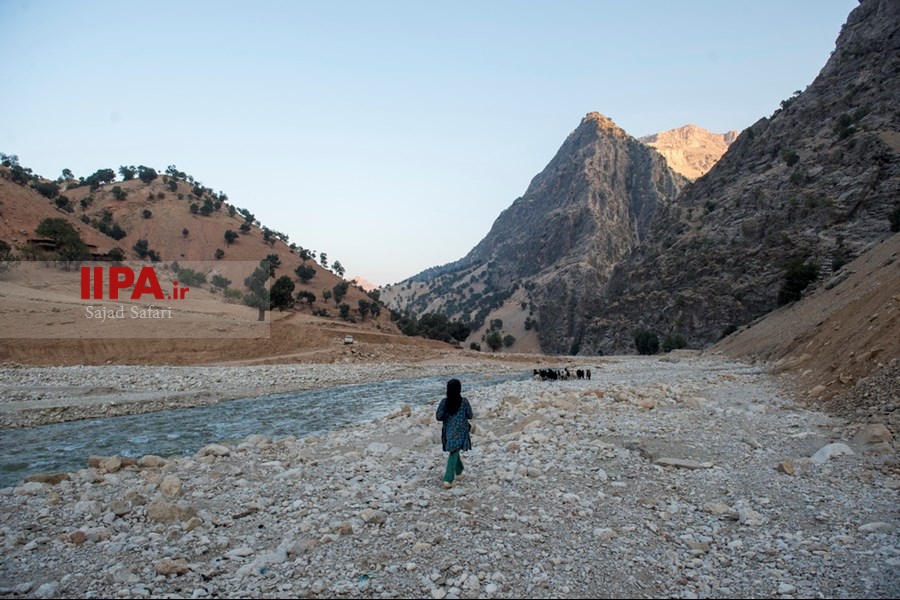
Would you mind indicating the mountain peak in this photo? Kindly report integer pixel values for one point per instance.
(690, 149)
(603, 124)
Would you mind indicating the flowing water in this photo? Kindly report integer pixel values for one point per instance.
(66, 446)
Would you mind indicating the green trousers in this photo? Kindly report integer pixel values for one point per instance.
(454, 467)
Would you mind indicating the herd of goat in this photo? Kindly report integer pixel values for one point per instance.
(555, 374)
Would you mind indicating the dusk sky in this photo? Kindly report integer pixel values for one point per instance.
(389, 135)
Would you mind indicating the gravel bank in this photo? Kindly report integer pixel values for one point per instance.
(686, 478)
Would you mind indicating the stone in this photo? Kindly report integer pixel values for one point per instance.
(214, 450)
(831, 450)
(48, 478)
(170, 486)
(874, 433)
(679, 463)
(786, 467)
(151, 461)
(111, 464)
(167, 512)
(171, 567)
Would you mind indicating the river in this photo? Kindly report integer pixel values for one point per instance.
(66, 446)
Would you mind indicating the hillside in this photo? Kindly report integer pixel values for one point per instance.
(814, 183)
(537, 274)
(159, 211)
(690, 150)
(840, 344)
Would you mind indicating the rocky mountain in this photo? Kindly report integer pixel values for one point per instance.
(690, 150)
(538, 273)
(814, 183)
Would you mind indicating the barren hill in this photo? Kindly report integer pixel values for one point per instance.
(161, 212)
(840, 344)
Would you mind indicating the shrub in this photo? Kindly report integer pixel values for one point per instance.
(70, 247)
(306, 295)
(230, 236)
(220, 282)
(646, 342)
(894, 218)
(142, 248)
(305, 273)
(191, 277)
(797, 277)
(116, 254)
(47, 189)
(219, 253)
(790, 157)
(475, 346)
(147, 214)
(673, 341)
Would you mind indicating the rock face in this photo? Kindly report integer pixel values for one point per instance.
(690, 150)
(815, 182)
(551, 253)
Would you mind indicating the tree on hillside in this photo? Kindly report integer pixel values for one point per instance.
(323, 259)
(230, 236)
(305, 273)
(258, 296)
(99, 177)
(494, 341)
(146, 174)
(282, 293)
(306, 295)
(340, 290)
(47, 189)
(70, 248)
(338, 268)
(127, 173)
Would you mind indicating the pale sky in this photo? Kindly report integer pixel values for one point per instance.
(389, 135)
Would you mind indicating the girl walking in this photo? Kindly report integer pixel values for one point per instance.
(454, 411)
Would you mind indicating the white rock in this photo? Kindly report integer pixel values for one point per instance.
(825, 452)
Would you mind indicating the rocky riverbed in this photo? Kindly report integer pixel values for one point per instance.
(32, 396)
(676, 477)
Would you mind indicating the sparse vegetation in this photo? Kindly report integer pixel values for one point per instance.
(230, 236)
(797, 277)
(646, 342)
(219, 253)
(673, 341)
(894, 218)
(220, 282)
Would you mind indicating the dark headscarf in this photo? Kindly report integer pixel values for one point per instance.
(454, 396)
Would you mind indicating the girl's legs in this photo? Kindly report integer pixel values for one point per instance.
(453, 467)
(459, 465)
